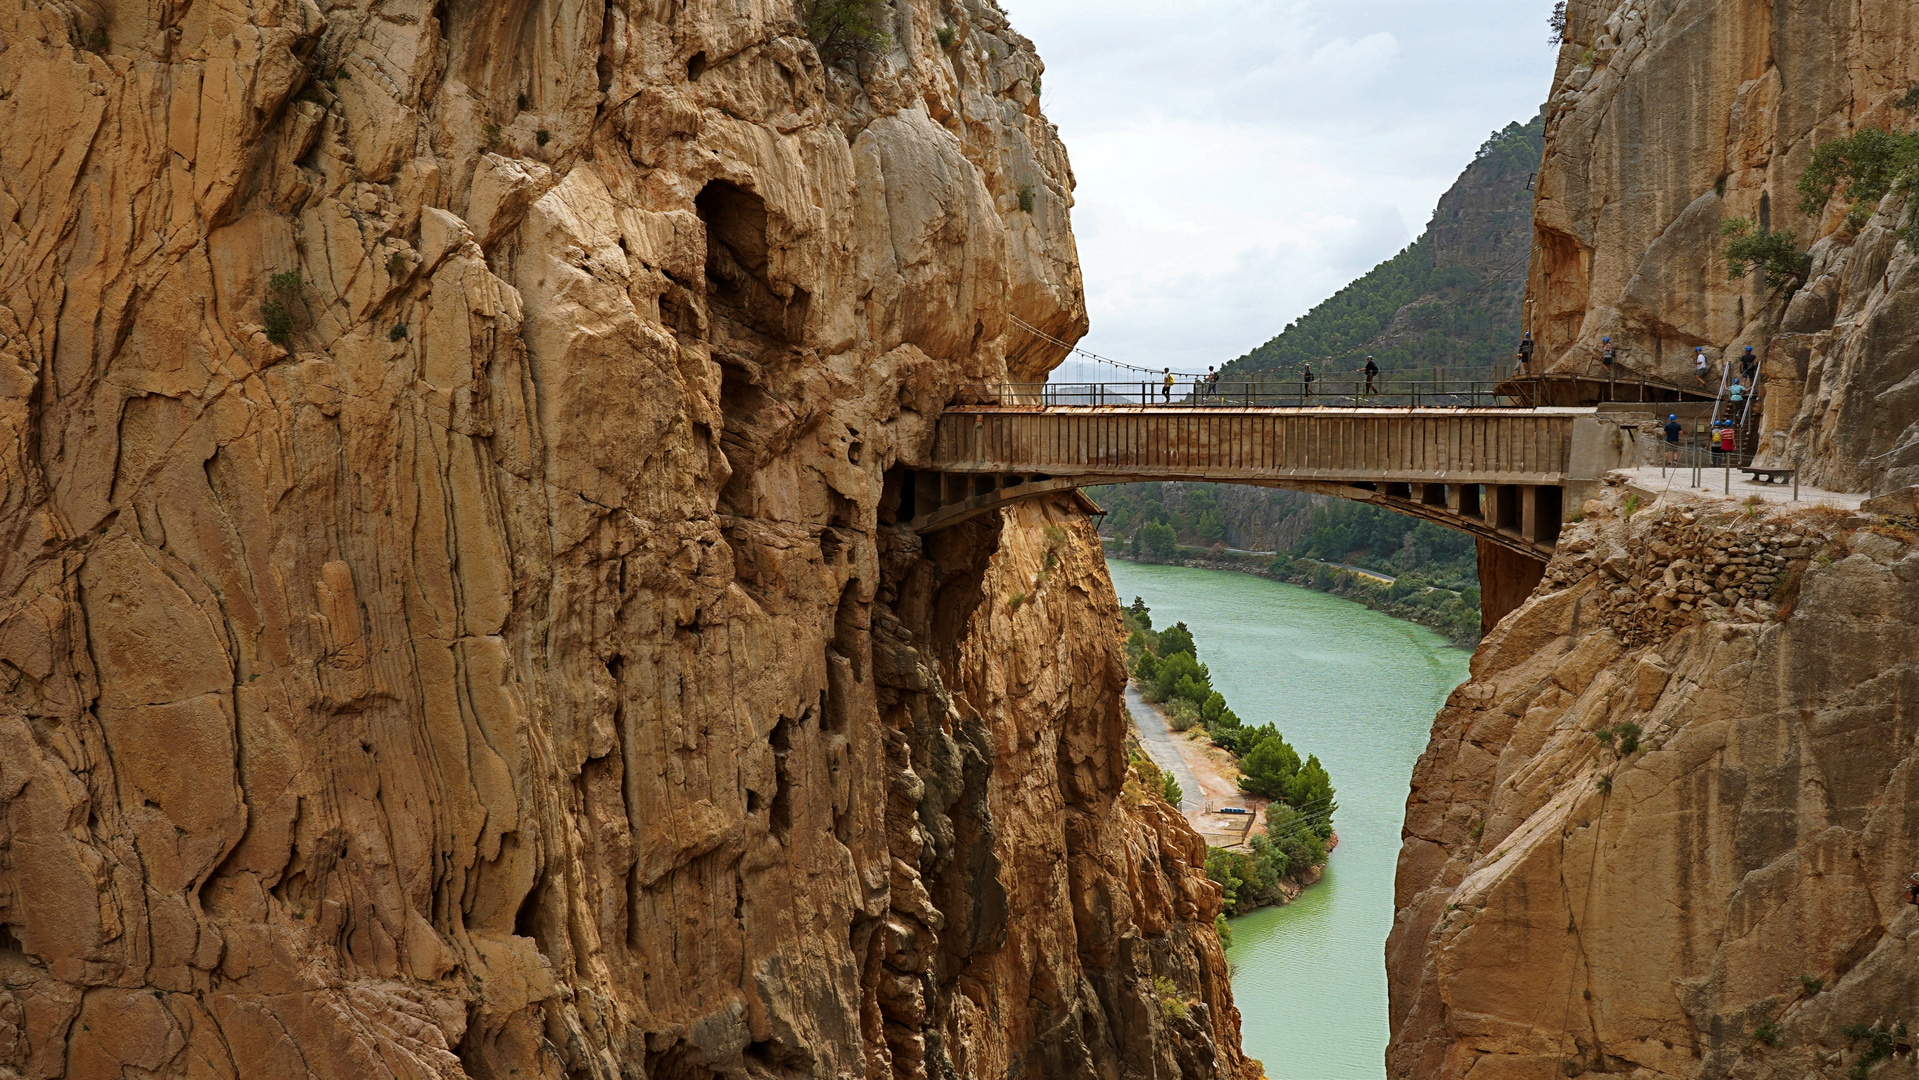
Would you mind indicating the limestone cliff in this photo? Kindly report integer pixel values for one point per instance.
(1666, 119)
(1571, 903)
(1665, 828)
(450, 618)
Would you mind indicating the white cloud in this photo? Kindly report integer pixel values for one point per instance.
(1239, 161)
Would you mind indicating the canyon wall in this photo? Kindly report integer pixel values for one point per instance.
(451, 618)
(1668, 118)
(1666, 827)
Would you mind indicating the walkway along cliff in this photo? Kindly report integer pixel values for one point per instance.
(1665, 829)
(453, 618)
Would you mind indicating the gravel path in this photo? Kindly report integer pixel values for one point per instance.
(1158, 744)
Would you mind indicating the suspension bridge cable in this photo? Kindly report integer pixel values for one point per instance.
(1383, 337)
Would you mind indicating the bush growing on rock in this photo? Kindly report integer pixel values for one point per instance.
(844, 27)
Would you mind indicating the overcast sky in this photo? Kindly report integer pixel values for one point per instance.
(1239, 161)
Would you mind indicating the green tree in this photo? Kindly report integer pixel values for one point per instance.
(1212, 707)
(1864, 167)
(1169, 789)
(1310, 791)
(1146, 669)
(1296, 835)
(1174, 669)
(1177, 639)
(1211, 527)
(1269, 767)
(1141, 614)
(1774, 254)
(1157, 541)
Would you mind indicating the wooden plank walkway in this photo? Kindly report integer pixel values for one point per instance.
(1499, 473)
(1506, 446)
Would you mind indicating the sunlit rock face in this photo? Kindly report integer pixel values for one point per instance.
(1666, 120)
(1726, 898)
(484, 649)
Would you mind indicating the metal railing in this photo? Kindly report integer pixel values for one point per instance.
(1321, 392)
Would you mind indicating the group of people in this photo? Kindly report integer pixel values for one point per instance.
(1741, 387)
(1722, 439)
(1207, 385)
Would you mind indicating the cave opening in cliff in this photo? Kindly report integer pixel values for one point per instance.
(745, 299)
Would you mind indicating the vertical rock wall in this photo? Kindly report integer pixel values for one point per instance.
(475, 652)
(1722, 895)
(1666, 119)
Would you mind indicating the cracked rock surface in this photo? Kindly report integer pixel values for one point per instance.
(452, 622)
(1574, 901)
(1667, 119)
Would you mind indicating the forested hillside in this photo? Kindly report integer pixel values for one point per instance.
(1449, 299)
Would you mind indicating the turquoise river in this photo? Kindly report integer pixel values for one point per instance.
(1359, 689)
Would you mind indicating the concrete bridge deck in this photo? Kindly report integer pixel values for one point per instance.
(1506, 475)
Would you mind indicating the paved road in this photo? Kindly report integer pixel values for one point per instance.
(1374, 574)
(1158, 744)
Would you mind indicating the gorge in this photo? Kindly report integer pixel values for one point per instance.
(461, 615)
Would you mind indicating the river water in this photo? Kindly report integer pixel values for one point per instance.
(1359, 689)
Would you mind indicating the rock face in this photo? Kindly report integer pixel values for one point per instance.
(450, 619)
(1665, 829)
(1569, 904)
(1667, 119)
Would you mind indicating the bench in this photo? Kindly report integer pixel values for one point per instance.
(1759, 475)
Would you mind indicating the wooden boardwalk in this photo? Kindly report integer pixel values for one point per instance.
(1499, 473)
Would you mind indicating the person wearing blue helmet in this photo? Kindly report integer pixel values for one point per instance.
(1699, 363)
(1607, 354)
(1748, 366)
(1673, 430)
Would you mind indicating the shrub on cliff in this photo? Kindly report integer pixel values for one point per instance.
(276, 311)
(843, 27)
(1864, 167)
(1774, 254)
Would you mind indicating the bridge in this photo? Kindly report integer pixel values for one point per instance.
(1507, 475)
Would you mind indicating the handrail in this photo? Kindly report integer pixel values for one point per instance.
(1323, 392)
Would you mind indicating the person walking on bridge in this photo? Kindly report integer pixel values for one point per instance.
(1699, 363)
(1212, 383)
(1306, 380)
(1372, 376)
(1526, 353)
(1166, 387)
(1607, 354)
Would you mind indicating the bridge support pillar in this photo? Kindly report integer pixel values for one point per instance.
(1506, 578)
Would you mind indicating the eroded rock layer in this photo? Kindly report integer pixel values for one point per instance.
(450, 620)
(1667, 119)
(1679, 779)
(1665, 829)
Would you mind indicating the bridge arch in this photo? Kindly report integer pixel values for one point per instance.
(1507, 476)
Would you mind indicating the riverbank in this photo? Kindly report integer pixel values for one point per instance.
(1359, 689)
(1208, 778)
(1454, 614)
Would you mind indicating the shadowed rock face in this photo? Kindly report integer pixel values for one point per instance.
(492, 656)
(1667, 119)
